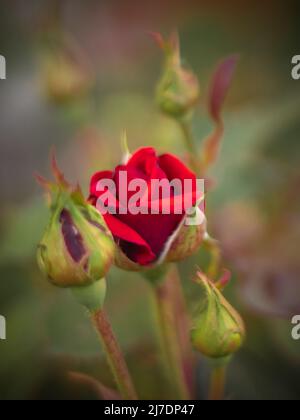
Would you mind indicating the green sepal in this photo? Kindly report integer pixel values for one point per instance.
(92, 296)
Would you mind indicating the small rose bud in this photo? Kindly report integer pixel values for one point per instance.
(77, 248)
(65, 74)
(219, 330)
(178, 90)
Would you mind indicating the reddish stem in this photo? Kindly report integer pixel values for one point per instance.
(217, 384)
(114, 355)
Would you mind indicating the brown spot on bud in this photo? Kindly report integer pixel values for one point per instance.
(72, 237)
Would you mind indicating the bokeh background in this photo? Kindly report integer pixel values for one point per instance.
(253, 209)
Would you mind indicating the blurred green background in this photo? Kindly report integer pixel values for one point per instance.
(253, 209)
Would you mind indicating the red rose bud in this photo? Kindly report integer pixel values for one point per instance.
(66, 75)
(77, 248)
(219, 330)
(145, 239)
(178, 90)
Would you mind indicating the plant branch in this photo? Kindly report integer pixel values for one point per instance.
(183, 330)
(114, 355)
(217, 384)
(169, 338)
(190, 145)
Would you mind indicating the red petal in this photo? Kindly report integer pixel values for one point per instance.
(96, 178)
(133, 245)
(174, 168)
(156, 229)
(144, 159)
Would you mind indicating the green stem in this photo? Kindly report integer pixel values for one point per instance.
(183, 328)
(169, 339)
(215, 257)
(114, 355)
(217, 384)
(190, 146)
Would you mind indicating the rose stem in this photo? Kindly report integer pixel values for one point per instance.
(217, 383)
(215, 257)
(114, 355)
(190, 146)
(183, 328)
(169, 338)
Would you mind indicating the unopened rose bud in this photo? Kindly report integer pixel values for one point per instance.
(178, 90)
(77, 248)
(219, 330)
(65, 74)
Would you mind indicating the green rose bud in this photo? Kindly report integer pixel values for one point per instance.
(219, 330)
(178, 90)
(77, 248)
(65, 74)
